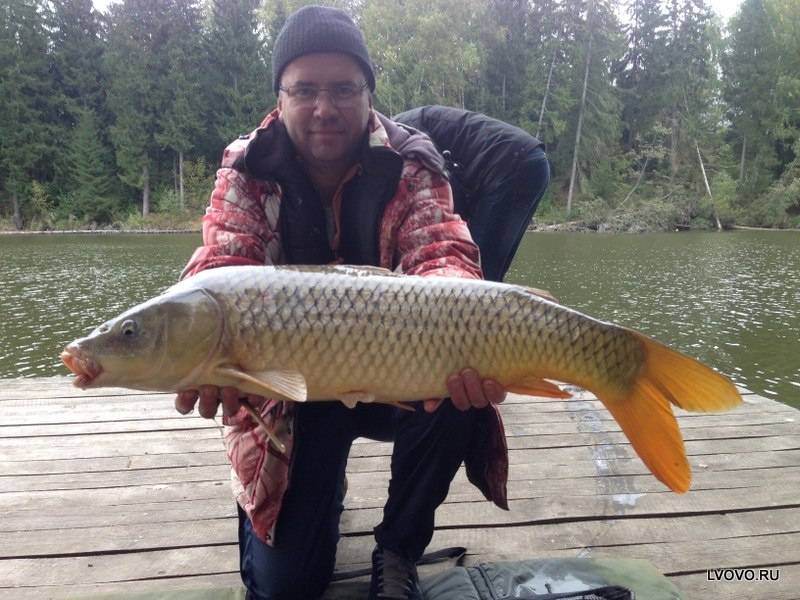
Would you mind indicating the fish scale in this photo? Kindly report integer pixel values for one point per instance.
(409, 332)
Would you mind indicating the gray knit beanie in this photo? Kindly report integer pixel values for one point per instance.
(319, 29)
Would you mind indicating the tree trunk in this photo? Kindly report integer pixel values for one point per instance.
(145, 191)
(741, 161)
(181, 203)
(546, 91)
(17, 211)
(638, 181)
(673, 150)
(580, 114)
(504, 94)
(708, 187)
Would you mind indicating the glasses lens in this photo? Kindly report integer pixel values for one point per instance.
(341, 94)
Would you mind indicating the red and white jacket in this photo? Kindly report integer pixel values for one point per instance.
(419, 235)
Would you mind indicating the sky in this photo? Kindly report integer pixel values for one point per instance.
(724, 8)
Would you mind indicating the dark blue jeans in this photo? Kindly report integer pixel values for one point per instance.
(502, 213)
(428, 450)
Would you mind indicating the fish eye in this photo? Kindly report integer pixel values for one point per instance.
(129, 328)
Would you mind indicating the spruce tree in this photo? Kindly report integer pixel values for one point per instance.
(90, 186)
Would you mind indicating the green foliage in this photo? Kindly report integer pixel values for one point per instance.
(237, 77)
(90, 186)
(198, 179)
(26, 106)
(98, 110)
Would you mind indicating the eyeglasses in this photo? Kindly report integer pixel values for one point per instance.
(341, 94)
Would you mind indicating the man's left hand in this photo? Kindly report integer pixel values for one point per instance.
(467, 390)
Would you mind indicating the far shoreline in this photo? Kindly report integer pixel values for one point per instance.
(98, 231)
(566, 227)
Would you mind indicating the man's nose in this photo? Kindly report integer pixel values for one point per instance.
(324, 104)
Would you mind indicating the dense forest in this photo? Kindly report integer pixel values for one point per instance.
(655, 114)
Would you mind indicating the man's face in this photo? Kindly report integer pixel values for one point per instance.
(326, 132)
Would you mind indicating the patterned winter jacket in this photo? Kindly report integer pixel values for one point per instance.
(418, 234)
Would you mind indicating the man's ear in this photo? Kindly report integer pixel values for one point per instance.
(280, 108)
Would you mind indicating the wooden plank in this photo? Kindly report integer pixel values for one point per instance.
(69, 466)
(372, 494)
(83, 516)
(107, 568)
(114, 479)
(106, 427)
(228, 585)
(128, 495)
(193, 530)
(600, 506)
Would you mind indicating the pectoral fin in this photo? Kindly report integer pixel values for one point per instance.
(535, 386)
(284, 384)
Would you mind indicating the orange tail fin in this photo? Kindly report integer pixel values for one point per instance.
(644, 412)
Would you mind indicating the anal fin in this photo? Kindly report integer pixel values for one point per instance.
(536, 386)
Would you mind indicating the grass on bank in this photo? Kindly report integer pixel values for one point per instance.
(652, 208)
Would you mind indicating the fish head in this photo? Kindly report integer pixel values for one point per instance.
(157, 345)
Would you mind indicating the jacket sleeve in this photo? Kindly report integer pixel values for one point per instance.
(420, 233)
(240, 226)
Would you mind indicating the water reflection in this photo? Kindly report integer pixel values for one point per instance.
(729, 299)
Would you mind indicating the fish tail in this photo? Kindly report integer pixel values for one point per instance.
(643, 410)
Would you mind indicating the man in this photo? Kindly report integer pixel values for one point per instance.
(498, 173)
(327, 179)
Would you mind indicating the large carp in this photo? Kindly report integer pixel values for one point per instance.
(365, 334)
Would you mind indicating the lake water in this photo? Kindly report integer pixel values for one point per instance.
(729, 299)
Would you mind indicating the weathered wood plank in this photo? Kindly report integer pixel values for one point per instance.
(113, 463)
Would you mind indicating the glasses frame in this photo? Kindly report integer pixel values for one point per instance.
(338, 102)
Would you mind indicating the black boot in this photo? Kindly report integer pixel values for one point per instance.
(393, 577)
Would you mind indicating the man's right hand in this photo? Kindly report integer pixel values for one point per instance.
(209, 397)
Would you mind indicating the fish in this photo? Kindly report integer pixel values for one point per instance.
(366, 334)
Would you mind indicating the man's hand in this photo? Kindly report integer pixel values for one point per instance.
(210, 397)
(467, 390)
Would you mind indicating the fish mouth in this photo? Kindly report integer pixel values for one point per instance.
(85, 368)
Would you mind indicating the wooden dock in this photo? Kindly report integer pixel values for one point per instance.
(112, 491)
